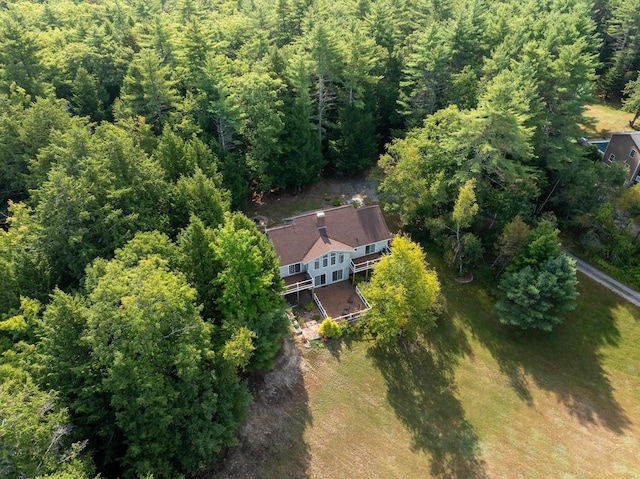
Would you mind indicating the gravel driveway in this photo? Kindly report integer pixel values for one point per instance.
(607, 281)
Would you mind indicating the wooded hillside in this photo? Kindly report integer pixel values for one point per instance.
(134, 299)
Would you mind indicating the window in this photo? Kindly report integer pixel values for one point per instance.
(325, 261)
(294, 268)
(611, 157)
(341, 258)
(369, 249)
(336, 276)
(632, 153)
(333, 259)
(320, 280)
(317, 264)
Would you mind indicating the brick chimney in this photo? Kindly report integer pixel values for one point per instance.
(320, 220)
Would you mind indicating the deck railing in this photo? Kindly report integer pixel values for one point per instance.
(298, 286)
(323, 312)
(356, 314)
(356, 268)
(362, 298)
(351, 316)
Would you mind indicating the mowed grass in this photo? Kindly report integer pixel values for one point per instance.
(477, 399)
(606, 118)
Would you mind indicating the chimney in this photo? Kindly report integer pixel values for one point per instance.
(320, 218)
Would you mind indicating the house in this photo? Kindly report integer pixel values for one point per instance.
(625, 148)
(325, 247)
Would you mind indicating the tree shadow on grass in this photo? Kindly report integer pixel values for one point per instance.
(337, 345)
(566, 361)
(271, 440)
(420, 387)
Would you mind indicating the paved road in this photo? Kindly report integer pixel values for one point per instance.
(607, 281)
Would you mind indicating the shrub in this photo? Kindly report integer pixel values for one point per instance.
(329, 329)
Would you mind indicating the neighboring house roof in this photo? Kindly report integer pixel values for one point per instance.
(621, 146)
(341, 229)
(633, 135)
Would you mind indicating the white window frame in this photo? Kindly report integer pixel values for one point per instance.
(336, 276)
(370, 249)
(294, 268)
(325, 261)
(632, 153)
(611, 157)
(341, 258)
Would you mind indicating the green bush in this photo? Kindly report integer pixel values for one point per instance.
(329, 329)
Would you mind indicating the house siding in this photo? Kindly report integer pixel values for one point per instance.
(621, 146)
(330, 268)
(378, 247)
(284, 270)
(341, 231)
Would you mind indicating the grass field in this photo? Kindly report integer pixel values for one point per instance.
(606, 119)
(477, 400)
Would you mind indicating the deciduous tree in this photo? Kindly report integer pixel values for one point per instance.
(464, 211)
(402, 292)
(248, 287)
(158, 398)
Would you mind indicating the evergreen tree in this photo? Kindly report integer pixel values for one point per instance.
(201, 196)
(20, 57)
(87, 96)
(148, 90)
(540, 284)
(632, 102)
(36, 431)
(301, 152)
(535, 296)
(262, 125)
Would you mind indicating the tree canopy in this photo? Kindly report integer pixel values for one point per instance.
(132, 132)
(541, 283)
(402, 292)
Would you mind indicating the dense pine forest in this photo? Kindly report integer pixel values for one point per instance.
(135, 299)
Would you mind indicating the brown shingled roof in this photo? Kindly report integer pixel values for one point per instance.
(345, 228)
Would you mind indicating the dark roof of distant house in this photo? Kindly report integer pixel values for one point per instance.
(634, 135)
(342, 229)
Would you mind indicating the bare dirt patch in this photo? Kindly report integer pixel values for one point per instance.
(275, 424)
(324, 193)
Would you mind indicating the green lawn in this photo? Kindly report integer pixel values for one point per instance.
(477, 400)
(606, 119)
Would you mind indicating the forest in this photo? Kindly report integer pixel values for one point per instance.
(136, 299)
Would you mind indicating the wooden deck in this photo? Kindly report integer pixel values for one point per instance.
(341, 301)
(365, 262)
(297, 282)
